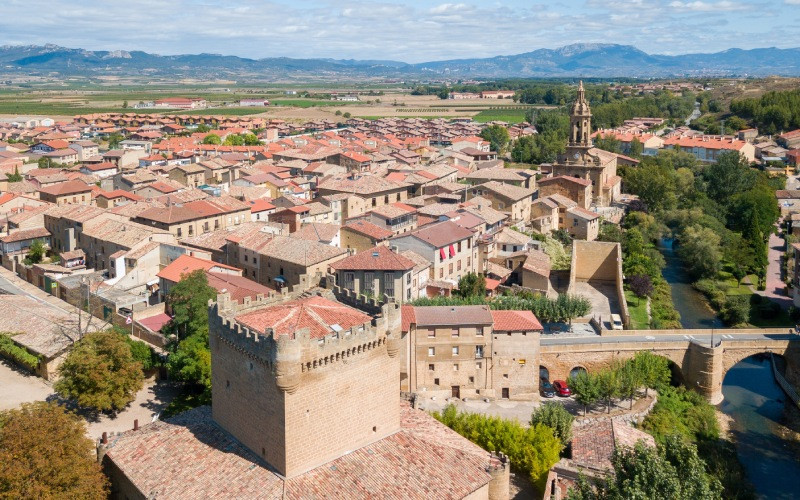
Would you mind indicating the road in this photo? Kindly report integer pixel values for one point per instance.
(695, 114)
(721, 334)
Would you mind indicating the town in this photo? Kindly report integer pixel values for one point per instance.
(390, 280)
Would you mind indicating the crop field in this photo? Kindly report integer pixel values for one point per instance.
(510, 115)
(309, 103)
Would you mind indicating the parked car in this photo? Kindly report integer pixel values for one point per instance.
(546, 389)
(616, 322)
(561, 388)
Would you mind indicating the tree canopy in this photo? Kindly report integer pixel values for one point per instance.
(45, 454)
(188, 300)
(498, 136)
(100, 372)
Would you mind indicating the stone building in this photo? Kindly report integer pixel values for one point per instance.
(379, 272)
(469, 351)
(583, 161)
(450, 248)
(305, 405)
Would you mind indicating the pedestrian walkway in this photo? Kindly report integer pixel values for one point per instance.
(775, 286)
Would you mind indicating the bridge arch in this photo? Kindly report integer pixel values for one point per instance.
(577, 370)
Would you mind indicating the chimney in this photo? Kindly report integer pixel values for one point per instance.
(104, 439)
(135, 425)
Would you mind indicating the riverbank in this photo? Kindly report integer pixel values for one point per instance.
(694, 309)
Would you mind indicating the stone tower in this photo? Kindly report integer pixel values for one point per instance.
(299, 401)
(580, 123)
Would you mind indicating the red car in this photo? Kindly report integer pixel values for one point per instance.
(561, 388)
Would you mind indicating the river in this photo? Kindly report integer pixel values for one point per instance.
(694, 309)
(752, 398)
(756, 405)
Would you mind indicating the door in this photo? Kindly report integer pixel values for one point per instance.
(456, 391)
(505, 393)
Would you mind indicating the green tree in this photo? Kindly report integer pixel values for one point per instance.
(212, 139)
(124, 104)
(114, 140)
(45, 454)
(608, 386)
(654, 184)
(141, 352)
(346, 114)
(555, 416)
(636, 149)
(251, 140)
(653, 370)
(202, 128)
(498, 136)
(700, 249)
(641, 285)
(736, 310)
(191, 362)
(674, 470)
(45, 162)
(15, 177)
(100, 372)
(188, 300)
(608, 143)
(472, 285)
(630, 379)
(584, 388)
(35, 252)
(233, 140)
(729, 176)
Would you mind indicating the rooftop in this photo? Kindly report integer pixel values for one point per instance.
(452, 315)
(379, 258)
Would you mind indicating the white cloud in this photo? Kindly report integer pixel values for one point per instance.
(700, 6)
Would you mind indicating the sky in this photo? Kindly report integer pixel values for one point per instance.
(412, 31)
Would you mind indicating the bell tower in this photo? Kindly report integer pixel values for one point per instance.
(580, 123)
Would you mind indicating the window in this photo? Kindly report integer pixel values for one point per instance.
(191, 230)
(504, 248)
(349, 279)
(245, 258)
(479, 331)
(478, 351)
(431, 351)
(454, 332)
(388, 284)
(468, 243)
(369, 282)
(431, 367)
(459, 246)
(431, 333)
(455, 350)
(408, 279)
(468, 261)
(386, 199)
(472, 380)
(455, 367)
(408, 294)
(436, 381)
(450, 269)
(441, 271)
(458, 265)
(179, 232)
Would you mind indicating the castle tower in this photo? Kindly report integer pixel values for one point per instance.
(301, 396)
(580, 123)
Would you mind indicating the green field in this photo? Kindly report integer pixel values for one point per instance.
(503, 115)
(21, 107)
(309, 103)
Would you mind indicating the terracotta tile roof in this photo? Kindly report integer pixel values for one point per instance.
(593, 444)
(515, 321)
(185, 264)
(368, 229)
(507, 191)
(407, 317)
(190, 456)
(452, 315)
(317, 231)
(317, 314)
(363, 185)
(289, 249)
(564, 178)
(238, 286)
(442, 234)
(26, 234)
(583, 213)
(538, 262)
(67, 188)
(156, 322)
(119, 193)
(379, 258)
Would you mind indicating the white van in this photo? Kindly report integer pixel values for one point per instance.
(616, 322)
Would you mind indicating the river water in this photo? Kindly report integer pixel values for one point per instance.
(752, 398)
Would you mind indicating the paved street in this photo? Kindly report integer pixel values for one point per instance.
(775, 287)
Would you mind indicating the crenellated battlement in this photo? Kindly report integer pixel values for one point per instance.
(289, 357)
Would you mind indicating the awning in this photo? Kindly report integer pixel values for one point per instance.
(452, 251)
(441, 253)
(280, 279)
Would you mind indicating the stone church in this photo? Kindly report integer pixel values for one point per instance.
(584, 161)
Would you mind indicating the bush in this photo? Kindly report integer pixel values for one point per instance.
(768, 310)
(555, 416)
(755, 299)
(17, 354)
(142, 353)
(532, 451)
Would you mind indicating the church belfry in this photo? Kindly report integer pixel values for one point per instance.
(580, 122)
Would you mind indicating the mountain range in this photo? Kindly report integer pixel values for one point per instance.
(577, 60)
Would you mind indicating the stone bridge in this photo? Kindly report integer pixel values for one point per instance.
(693, 358)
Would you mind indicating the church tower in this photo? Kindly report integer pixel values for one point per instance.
(580, 124)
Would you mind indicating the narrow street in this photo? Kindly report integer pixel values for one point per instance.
(775, 286)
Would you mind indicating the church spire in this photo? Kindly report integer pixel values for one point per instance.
(580, 121)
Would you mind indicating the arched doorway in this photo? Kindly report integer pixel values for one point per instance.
(575, 371)
(544, 373)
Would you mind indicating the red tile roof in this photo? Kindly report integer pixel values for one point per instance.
(368, 229)
(185, 264)
(66, 188)
(514, 321)
(379, 258)
(317, 314)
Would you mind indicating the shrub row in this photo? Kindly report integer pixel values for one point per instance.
(19, 355)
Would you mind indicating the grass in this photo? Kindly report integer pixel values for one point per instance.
(15, 107)
(503, 115)
(727, 283)
(185, 400)
(637, 309)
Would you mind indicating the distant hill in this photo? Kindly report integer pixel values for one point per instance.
(577, 60)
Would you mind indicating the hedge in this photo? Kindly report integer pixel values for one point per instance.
(19, 355)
